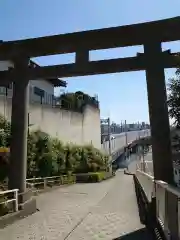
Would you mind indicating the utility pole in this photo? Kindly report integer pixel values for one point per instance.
(126, 132)
(28, 123)
(109, 135)
(144, 167)
(107, 121)
(126, 142)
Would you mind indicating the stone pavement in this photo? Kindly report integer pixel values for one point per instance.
(104, 210)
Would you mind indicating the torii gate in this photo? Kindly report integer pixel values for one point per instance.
(153, 61)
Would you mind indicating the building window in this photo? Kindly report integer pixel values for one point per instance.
(39, 92)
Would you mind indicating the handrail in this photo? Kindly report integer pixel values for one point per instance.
(14, 199)
(143, 166)
(40, 178)
(44, 181)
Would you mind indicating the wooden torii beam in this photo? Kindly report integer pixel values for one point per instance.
(92, 67)
(129, 35)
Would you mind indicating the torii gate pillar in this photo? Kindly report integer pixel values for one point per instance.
(158, 113)
(19, 130)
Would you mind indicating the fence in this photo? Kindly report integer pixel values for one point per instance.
(49, 181)
(144, 167)
(8, 198)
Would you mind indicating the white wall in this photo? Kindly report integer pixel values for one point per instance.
(80, 128)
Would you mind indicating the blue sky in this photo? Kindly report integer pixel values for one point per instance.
(122, 96)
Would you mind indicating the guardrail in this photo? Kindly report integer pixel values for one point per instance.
(10, 199)
(166, 202)
(11, 196)
(49, 181)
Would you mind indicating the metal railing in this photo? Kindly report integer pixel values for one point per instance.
(144, 167)
(7, 198)
(34, 183)
(11, 196)
(42, 182)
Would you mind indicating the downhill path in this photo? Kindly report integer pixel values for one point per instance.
(106, 210)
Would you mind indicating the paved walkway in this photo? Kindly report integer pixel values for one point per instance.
(106, 210)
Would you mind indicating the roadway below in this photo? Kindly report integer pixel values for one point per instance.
(118, 141)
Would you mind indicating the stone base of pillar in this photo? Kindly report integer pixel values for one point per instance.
(27, 201)
(26, 208)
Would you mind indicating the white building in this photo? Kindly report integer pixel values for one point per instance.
(41, 91)
(66, 125)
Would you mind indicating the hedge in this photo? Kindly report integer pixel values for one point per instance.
(48, 156)
(93, 177)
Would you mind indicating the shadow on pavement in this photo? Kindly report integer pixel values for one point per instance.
(136, 235)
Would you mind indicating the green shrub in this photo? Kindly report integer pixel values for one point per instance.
(76, 101)
(47, 156)
(91, 177)
(67, 179)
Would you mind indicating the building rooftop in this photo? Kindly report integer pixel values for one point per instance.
(56, 82)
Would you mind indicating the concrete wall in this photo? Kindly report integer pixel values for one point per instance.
(79, 128)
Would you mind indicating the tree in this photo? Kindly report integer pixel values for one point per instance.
(76, 101)
(174, 98)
